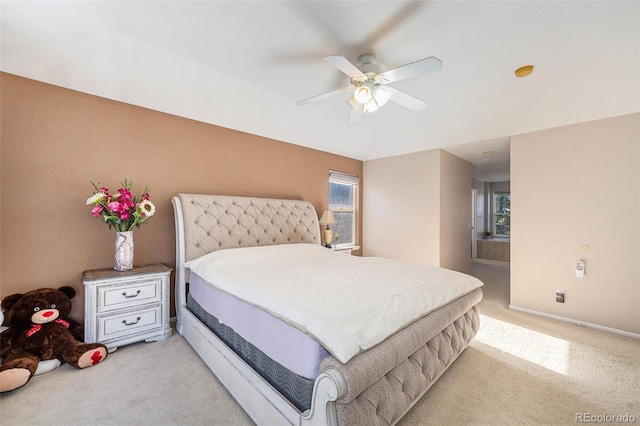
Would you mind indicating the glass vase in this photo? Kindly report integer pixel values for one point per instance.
(124, 251)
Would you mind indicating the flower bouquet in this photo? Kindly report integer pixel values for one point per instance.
(123, 212)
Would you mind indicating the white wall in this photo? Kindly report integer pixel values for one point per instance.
(455, 212)
(401, 207)
(572, 187)
(417, 208)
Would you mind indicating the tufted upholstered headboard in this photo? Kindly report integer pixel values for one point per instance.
(206, 223)
(215, 222)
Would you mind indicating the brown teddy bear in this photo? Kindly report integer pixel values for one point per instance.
(39, 330)
(43, 366)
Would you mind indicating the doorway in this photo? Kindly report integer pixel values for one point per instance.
(473, 223)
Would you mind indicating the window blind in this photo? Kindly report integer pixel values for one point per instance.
(340, 177)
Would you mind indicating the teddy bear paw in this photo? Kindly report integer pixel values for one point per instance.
(92, 357)
(13, 378)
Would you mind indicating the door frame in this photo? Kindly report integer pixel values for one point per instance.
(474, 223)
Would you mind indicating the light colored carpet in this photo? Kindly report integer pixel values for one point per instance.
(520, 369)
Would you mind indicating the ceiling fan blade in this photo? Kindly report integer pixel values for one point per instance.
(323, 96)
(406, 100)
(413, 69)
(345, 66)
(355, 114)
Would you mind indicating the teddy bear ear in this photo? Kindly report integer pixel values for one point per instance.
(69, 291)
(9, 301)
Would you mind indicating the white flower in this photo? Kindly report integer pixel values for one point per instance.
(147, 208)
(95, 198)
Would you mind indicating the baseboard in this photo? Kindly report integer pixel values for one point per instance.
(576, 322)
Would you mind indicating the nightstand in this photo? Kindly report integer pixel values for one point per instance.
(123, 307)
(345, 250)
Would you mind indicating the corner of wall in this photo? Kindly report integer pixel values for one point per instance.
(455, 212)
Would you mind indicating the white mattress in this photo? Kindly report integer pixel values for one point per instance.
(281, 342)
(346, 303)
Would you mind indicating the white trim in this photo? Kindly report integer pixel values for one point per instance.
(576, 322)
(353, 209)
(474, 223)
(494, 214)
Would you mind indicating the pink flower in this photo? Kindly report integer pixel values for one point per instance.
(96, 211)
(114, 206)
(125, 206)
(124, 215)
(125, 194)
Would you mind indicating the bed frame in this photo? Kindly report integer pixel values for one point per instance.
(377, 387)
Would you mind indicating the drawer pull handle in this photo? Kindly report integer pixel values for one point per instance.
(130, 323)
(124, 293)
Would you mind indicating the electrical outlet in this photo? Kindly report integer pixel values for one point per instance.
(560, 296)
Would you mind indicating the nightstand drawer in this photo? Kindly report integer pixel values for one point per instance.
(134, 293)
(138, 321)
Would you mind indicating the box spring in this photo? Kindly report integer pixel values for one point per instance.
(297, 389)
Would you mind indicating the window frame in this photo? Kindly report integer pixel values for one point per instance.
(495, 215)
(340, 178)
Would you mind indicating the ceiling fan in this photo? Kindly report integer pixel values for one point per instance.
(370, 84)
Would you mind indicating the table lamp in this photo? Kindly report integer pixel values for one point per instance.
(327, 219)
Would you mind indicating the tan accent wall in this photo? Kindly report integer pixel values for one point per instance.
(574, 186)
(417, 208)
(54, 140)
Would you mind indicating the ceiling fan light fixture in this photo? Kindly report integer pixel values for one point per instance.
(368, 80)
(363, 94)
(370, 106)
(381, 95)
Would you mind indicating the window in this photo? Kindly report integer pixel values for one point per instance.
(502, 214)
(342, 202)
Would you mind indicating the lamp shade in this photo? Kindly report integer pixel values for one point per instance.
(362, 94)
(381, 95)
(370, 106)
(327, 218)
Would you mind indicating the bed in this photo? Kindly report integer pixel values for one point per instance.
(324, 370)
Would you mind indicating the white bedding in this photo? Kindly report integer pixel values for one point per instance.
(347, 303)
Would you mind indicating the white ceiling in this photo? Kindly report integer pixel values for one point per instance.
(245, 64)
